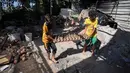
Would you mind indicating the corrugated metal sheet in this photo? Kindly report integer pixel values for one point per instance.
(124, 1)
(121, 11)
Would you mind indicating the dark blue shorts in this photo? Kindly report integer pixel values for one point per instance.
(51, 46)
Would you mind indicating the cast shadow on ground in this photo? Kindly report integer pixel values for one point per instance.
(116, 58)
(71, 51)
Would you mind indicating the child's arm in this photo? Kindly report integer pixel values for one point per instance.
(94, 29)
(45, 28)
(49, 34)
(50, 37)
(84, 30)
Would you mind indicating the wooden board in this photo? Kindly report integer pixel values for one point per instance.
(69, 37)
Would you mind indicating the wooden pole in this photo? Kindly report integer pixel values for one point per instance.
(50, 7)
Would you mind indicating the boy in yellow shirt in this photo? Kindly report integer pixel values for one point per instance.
(90, 30)
(48, 40)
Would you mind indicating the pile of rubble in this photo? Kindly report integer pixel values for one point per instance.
(12, 51)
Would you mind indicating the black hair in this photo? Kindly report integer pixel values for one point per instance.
(48, 21)
(47, 18)
(92, 14)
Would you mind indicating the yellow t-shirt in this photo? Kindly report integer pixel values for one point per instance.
(44, 36)
(90, 27)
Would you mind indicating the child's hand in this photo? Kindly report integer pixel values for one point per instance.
(82, 32)
(50, 38)
(54, 41)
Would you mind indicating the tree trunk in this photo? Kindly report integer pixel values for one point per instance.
(27, 3)
(39, 6)
(0, 7)
(0, 14)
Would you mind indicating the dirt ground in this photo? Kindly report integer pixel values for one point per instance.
(28, 66)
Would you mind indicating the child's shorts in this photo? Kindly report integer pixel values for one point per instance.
(50, 46)
(91, 41)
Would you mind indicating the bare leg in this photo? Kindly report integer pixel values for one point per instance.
(84, 49)
(53, 58)
(46, 46)
(48, 55)
(93, 47)
(49, 60)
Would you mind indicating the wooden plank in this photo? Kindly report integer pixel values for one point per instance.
(4, 60)
(69, 37)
